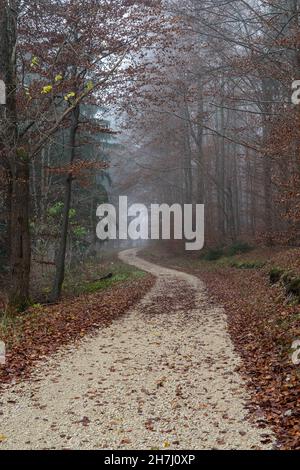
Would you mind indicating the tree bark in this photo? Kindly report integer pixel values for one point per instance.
(220, 170)
(267, 164)
(61, 253)
(200, 162)
(20, 257)
(16, 162)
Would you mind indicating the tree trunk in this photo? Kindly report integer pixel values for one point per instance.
(61, 254)
(200, 161)
(267, 164)
(220, 170)
(20, 256)
(15, 161)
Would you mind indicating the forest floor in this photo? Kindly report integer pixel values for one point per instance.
(259, 291)
(165, 375)
(94, 296)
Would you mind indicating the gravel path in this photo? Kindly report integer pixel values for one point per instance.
(163, 376)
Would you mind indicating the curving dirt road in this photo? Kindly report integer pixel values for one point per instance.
(163, 376)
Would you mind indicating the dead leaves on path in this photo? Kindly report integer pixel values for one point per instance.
(263, 329)
(177, 296)
(44, 332)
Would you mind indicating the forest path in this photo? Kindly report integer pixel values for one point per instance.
(161, 376)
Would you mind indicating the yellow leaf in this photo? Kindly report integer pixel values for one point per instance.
(47, 89)
(34, 62)
(166, 445)
(89, 85)
(70, 95)
(58, 77)
(27, 92)
(2, 438)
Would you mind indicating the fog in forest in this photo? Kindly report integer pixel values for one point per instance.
(179, 105)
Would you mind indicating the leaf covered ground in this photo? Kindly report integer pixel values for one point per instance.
(161, 377)
(42, 330)
(263, 324)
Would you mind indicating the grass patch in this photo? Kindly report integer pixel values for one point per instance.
(292, 287)
(247, 264)
(213, 254)
(275, 275)
(89, 279)
(238, 248)
(92, 287)
(289, 281)
(240, 264)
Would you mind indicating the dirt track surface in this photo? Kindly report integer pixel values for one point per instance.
(163, 376)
